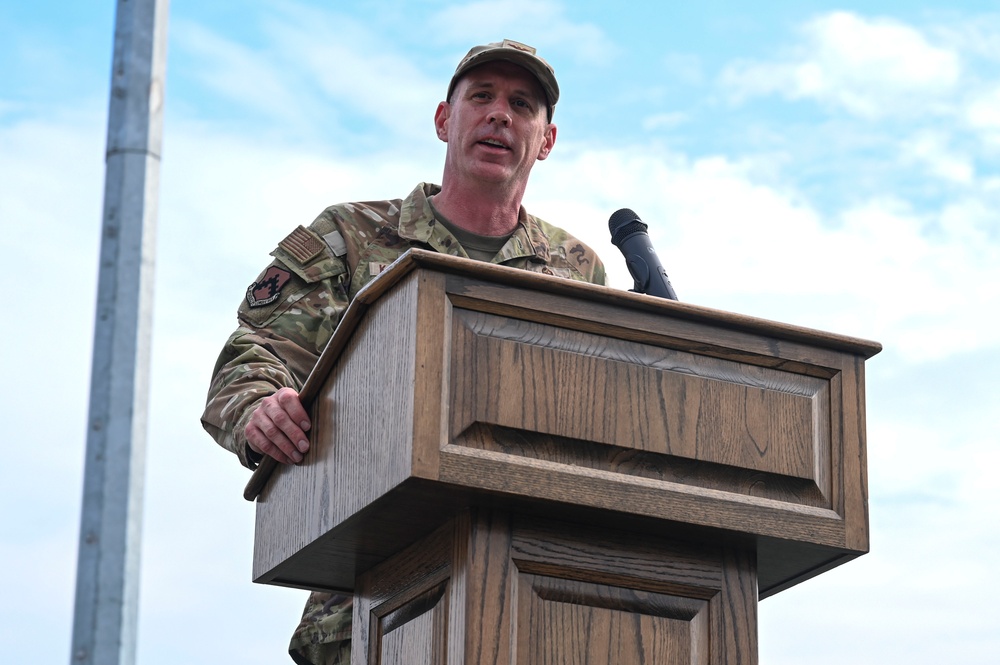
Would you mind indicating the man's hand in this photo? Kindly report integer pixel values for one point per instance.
(278, 427)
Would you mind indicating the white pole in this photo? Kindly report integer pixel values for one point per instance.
(107, 578)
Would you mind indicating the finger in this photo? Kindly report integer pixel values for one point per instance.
(281, 449)
(290, 402)
(259, 441)
(277, 424)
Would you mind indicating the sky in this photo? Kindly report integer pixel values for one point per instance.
(835, 166)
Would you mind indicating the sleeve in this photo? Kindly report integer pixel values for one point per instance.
(286, 319)
(583, 263)
(598, 275)
(323, 636)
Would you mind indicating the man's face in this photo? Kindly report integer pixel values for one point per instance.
(495, 125)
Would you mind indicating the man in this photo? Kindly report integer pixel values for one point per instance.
(497, 122)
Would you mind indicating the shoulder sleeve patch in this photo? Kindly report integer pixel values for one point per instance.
(308, 255)
(302, 244)
(267, 289)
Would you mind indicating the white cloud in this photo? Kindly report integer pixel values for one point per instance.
(869, 67)
(685, 67)
(243, 75)
(728, 236)
(733, 232)
(363, 70)
(50, 212)
(931, 151)
(973, 34)
(982, 114)
(876, 268)
(664, 121)
(538, 23)
(239, 197)
(314, 84)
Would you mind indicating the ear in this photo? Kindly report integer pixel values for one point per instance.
(548, 140)
(441, 116)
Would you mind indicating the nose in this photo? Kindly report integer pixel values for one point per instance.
(501, 117)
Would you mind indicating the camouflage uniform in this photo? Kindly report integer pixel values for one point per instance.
(290, 312)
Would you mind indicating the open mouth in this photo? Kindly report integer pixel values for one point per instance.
(493, 143)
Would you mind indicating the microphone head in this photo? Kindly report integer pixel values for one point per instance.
(624, 223)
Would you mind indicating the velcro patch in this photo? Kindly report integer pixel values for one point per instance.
(302, 244)
(336, 243)
(268, 288)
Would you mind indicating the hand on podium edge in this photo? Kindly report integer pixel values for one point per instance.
(278, 427)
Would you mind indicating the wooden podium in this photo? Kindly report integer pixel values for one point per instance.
(508, 467)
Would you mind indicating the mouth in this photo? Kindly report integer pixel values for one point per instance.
(494, 143)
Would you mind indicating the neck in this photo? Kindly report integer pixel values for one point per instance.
(485, 211)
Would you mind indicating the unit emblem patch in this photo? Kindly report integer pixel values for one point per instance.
(268, 288)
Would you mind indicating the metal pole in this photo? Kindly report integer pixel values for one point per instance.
(107, 577)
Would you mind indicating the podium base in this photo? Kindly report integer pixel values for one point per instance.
(491, 587)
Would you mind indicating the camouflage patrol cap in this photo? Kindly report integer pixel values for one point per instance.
(517, 53)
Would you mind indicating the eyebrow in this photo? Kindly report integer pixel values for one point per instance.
(524, 92)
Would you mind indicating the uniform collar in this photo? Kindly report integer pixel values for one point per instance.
(417, 223)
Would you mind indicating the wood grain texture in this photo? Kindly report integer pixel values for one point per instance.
(361, 439)
(489, 596)
(486, 277)
(586, 307)
(402, 607)
(855, 460)
(432, 364)
(317, 378)
(579, 385)
(617, 597)
(575, 622)
(736, 619)
(464, 385)
(616, 557)
(496, 588)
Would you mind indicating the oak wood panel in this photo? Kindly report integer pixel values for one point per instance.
(616, 557)
(594, 304)
(409, 640)
(790, 500)
(602, 596)
(401, 608)
(599, 595)
(317, 378)
(720, 337)
(431, 369)
(464, 620)
(582, 386)
(492, 588)
(489, 594)
(361, 438)
(735, 616)
(487, 276)
(855, 468)
(574, 622)
(547, 481)
(641, 464)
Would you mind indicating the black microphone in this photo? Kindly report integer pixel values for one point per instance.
(628, 233)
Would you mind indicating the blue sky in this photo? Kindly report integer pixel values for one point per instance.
(828, 165)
